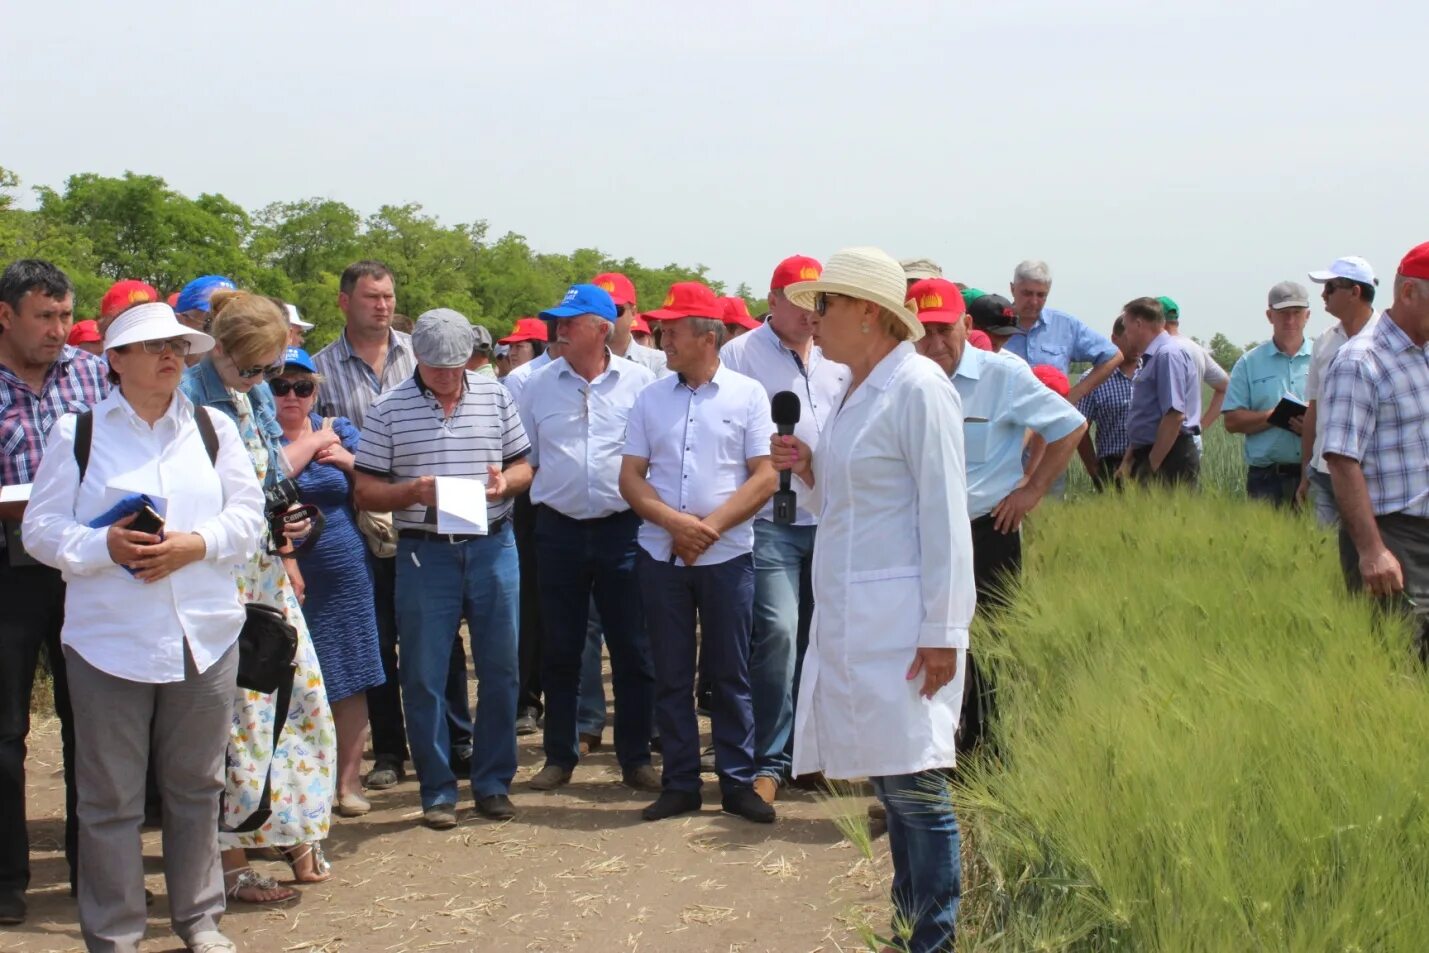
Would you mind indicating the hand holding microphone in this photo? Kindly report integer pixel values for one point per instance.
(788, 454)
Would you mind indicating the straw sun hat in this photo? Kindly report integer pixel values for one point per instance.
(868, 274)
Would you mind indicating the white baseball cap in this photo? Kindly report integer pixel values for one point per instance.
(293, 318)
(1352, 267)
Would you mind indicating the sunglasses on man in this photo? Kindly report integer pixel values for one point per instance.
(282, 388)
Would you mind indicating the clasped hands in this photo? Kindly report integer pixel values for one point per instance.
(149, 557)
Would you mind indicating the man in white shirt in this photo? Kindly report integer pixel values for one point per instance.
(1212, 374)
(781, 355)
(1349, 285)
(575, 412)
(697, 469)
(622, 292)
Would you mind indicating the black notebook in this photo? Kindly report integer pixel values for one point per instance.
(1289, 406)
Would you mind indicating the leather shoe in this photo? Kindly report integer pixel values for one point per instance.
(642, 778)
(671, 803)
(498, 807)
(385, 773)
(440, 817)
(589, 743)
(767, 788)
(550, 777)
(743, 802)
(527, 723)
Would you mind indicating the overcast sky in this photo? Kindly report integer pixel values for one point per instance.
(1202, 150)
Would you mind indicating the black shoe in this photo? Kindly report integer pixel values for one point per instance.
(671, 803)
(498, 807)
(386, 773)
(743, 802)
(704, 703)
(707, 760)
(461, 761)
(12, 909)
(527, 722)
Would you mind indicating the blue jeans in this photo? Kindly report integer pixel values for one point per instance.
(722, 596)
(927, 869)
(591, 711)
(783, 606)
(578, 560)
(1322, 491)
(438, 584)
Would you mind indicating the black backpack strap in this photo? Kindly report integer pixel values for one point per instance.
(282, 699)
(83, 437)
(206, 431)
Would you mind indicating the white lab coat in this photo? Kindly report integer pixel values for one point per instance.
(892, 571)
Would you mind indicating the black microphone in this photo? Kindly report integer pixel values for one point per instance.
(785, 409)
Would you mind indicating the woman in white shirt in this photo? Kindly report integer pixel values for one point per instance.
(882, 683)
(151, 626)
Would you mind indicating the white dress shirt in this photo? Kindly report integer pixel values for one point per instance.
(121, 626)
(517, 379)
(892, 572)
(577, 433)
(820, 385)
(1327, 345)
(699, 444)
(647, 357)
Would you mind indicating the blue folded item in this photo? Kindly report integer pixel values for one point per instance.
(132, 503)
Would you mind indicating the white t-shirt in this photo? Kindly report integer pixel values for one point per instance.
(1326, 347)
(1211, 373)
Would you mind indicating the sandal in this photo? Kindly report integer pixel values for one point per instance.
(246, 878)
(318, 869)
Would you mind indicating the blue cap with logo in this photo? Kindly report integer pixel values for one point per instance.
(196, 293)
(297, 357)
(583, 299)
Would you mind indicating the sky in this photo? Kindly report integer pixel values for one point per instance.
(1205, 150)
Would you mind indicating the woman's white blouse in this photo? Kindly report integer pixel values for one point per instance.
(892, 572)
(121, 626)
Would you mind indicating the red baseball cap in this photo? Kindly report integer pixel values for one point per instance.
(980, 340)
(616, 285)
(124, 294)
(1053, 378)
(640, 325)
(795, 268)
(527, 329)
(173, 299)
(736, 312)
(84, 332)
(688, 299)
(936, 301)
(1416, 263)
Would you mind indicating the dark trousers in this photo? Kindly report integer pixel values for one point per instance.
(1105, 477)
(523, 521)
(1275, 484)
(722, 596)
(31, 616)
(581, 560)
(1407, 537)
(1182, 466)
(384, 703)
(997, 563)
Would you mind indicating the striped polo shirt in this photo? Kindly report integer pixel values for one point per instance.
(406, 434)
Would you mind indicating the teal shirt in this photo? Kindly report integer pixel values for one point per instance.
(1259, 379)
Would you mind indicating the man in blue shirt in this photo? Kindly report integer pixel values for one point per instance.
(1165, 413)
(1262, 376)
(1049, 336)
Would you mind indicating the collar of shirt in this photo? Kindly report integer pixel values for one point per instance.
(396, 346)
(428, 392)
(1390, 335)
(720, 373)
(970, 364)
(179, 411)
(1306, 346)
(53, 373)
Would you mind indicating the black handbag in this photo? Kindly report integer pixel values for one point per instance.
(267, 649)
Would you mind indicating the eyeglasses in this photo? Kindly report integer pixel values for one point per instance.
(282, 388)
(180, 346)
(821, 301)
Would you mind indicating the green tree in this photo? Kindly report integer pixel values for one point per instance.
(1224, 352)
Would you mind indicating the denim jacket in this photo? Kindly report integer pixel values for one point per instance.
(203, 386)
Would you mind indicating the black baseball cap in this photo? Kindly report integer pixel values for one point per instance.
(993, 315)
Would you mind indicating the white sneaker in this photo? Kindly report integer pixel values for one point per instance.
(211, 941)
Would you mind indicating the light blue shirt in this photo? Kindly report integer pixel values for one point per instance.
(1060, 339)
(1002, 399)
(1259, 379)
(577, 433)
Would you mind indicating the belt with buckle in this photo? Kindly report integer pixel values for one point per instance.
(433, 536)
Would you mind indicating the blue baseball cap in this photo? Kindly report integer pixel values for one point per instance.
(583, 299)
(196, 293)
(297, 357)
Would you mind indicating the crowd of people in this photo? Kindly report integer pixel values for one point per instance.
(787, 520)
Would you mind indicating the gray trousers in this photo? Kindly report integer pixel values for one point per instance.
(1407, 537)
(113, 744)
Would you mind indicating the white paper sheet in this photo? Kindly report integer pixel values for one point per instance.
(461, 505)
(114, 493)
(16, 493)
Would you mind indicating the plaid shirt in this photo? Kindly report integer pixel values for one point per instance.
(1376, 400)
(350, 387)
(73, 384)
(1106, 408)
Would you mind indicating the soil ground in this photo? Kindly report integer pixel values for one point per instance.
(576, 870)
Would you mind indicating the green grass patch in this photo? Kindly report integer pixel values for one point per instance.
(1206, 745)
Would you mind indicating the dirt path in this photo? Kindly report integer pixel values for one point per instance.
(576, 870)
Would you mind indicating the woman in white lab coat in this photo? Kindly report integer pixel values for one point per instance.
(882, 683)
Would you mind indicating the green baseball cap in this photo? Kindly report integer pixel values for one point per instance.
(972, 294)
(1172, 309)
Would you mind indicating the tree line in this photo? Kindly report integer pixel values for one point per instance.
(101, 229)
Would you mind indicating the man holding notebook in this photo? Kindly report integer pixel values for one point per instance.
(1265, 378)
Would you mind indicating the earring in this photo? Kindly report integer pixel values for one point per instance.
(864, 327)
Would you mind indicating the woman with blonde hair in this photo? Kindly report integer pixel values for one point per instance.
(882, 681)
(250, 335)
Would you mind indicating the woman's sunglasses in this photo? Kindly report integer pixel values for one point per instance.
(821, 301)
(269, 371)
(282, 388)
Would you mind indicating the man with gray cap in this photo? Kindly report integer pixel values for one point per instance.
(481, 346)
(446, 423)
(1263, 375)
